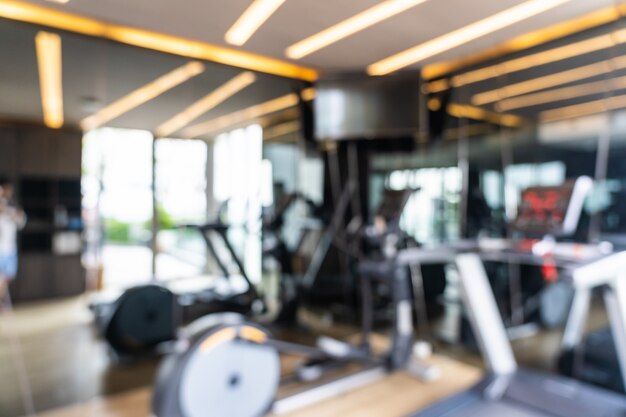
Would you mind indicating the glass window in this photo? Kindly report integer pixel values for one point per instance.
(181, 199)
(238, 159)
(432, 213)
(117, 189)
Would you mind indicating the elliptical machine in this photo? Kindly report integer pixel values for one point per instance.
(145, 319)
(233, 367)
(276, 247)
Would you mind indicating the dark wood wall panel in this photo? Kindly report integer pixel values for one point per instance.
(45, 165)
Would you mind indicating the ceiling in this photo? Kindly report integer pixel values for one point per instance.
(98, 72)
(208, 21)
(465, 94)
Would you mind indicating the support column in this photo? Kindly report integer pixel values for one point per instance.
(155, 212)
(211, 204)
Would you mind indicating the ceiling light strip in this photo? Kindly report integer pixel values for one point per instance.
(24, 12)
(280, 130)
(463, 35)
(248, 114)
(466, 111)
(584, 109)
(476, 129)
(561, 94)
(210, 101)
(528, 40)
(251, 20)
(541, 58)
(49, 61)
(350, 26)
(552, 80)
(143, 95)
(549, 56)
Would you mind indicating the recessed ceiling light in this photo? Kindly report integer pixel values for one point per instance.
(354, 24)
(247, 114)
(208, 102)
(584, 109)
(463, 35)
(49, 59)
(466, 111)
(250, 113)
(251, 20)
(552, 80)
(282, 129)
(143, 95)
(525, 62)
(602, 17)
(58, 1)
(561, 94)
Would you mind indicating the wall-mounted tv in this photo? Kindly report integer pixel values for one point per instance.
(355, 106)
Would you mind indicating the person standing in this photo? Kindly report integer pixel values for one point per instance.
(12, 219)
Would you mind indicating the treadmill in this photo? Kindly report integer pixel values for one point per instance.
(508, 390)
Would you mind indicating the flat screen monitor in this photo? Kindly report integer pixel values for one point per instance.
(362, 107)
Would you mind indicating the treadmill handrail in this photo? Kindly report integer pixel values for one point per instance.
(478, 297)
(607, 271)
(484, 315)
(221, 229)
(418, 256)
(604, 271)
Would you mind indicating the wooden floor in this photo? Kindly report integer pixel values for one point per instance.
(394, 396)
(66, 364)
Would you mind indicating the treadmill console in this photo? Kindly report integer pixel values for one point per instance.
(552, 210)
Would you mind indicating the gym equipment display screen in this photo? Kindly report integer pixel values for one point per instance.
(547, 210)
